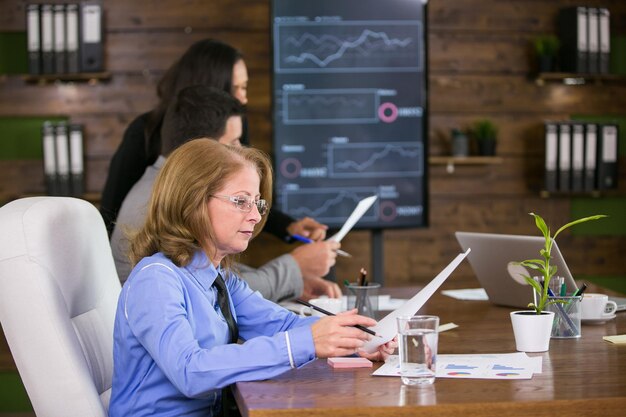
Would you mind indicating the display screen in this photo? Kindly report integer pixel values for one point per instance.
(350, 110)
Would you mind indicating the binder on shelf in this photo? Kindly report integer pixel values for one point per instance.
(565, 156)
(604, 22)
(49, 157)
(551, 148)
(71, 24)
(91, 56)
(33, 39)
(578, 154)
(573, 29)
(47, 39)
(591, 146)
(60, 48)
(593, 29)
(607, 161)
(76, 160)
(63, 159)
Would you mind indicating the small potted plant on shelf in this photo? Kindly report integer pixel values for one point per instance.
(485, 134)
(532, 328)
(546, 50)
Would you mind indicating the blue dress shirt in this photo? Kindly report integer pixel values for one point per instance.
(171, 353)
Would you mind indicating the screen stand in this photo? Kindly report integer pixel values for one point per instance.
(378, 259)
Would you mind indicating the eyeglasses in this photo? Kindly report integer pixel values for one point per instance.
(245, 203)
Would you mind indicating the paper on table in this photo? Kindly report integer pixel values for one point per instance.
(357, 213)
(619, 339)
(516, 365)
(467, 294)
(386, 328)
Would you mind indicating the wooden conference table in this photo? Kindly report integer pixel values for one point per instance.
(582, 377)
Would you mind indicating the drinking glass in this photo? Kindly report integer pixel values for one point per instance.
(418, 339)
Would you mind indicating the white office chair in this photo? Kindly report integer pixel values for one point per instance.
(58, 294)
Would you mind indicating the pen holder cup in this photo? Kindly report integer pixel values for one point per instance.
(567, 311)
(364, 298)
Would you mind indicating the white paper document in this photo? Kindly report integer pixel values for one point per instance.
(479, 366)
(467, 294)
(387, 327)
(357, 213)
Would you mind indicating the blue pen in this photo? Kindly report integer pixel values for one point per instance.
(564, 314)
(307, 240)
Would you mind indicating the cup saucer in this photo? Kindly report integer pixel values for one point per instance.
(598, 320)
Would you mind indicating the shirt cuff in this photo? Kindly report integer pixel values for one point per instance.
(300, 345)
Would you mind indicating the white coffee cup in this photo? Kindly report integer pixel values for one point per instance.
(597, 307)
(332, 305)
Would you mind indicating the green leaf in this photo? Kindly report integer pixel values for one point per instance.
(583, 220)
(534, 284)
(541, 225)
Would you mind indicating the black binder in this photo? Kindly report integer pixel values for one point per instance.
(49, 157)
(47, 38)
(62, 149)
(565, 157)
(60, 47)
(604, 20)
(607, 157)
(572, 28)
(578, 156)
(591, 156)
(76, 160)
(551, 147)
(593, 32)
(33, 34)
(91, 49)
(71, 23)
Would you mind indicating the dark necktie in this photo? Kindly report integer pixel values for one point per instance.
(223, 301)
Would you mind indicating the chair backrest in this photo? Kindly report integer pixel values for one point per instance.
(58, 295)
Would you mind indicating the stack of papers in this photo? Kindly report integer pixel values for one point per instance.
(482, 366)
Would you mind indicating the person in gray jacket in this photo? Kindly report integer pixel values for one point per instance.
(201, 111)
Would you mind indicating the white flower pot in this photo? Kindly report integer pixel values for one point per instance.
(532, 331)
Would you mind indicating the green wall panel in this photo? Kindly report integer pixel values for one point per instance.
(614, 225)
(13, 397)
(13, 53)
(615, 283)
(20, 137)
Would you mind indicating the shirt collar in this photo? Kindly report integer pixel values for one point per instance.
(158, 164)
(203, 270)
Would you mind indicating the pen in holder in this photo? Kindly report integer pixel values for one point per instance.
(566, 316)
(364, 298)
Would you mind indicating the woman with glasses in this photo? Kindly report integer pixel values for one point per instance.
(182, 310)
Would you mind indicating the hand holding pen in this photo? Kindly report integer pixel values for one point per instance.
(308, 228)
(307, 240)
(328, 313)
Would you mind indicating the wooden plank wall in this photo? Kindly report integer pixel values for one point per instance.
(479, 59)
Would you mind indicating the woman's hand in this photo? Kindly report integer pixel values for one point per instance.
(308, 227)
(335, 336)
(383, 351)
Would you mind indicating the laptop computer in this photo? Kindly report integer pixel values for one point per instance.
(492, 259)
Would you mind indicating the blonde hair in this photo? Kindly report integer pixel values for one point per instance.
(177, 220)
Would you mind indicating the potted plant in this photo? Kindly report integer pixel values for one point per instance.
(546, 50)
(485, 134)
(532, 328)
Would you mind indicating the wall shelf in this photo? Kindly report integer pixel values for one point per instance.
(568, 78)
(87, 77)
(574, 194)
(451, 161)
